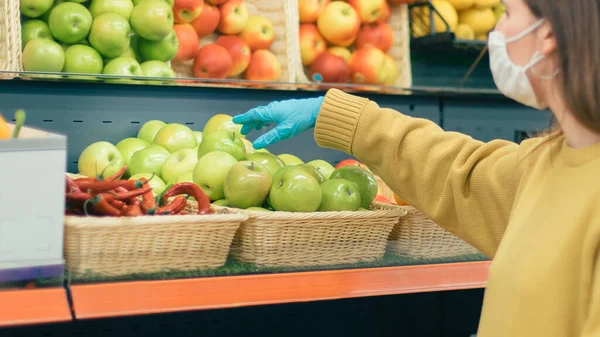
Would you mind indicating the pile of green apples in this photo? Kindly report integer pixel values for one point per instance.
(133, 38)
(229, 170)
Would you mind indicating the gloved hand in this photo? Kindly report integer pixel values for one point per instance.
(292, 117)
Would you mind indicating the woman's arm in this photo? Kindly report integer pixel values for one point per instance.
(464, 185)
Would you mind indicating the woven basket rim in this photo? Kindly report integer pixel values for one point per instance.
(104, 222)
(380, 211)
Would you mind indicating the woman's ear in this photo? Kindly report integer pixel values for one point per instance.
(546, 36)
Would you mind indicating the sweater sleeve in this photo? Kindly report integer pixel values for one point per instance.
(464, 185)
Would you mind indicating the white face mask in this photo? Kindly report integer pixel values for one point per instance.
(510, 78)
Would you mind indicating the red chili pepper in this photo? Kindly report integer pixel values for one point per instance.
(177, 205)
(121, 189)
(101, 204)
(133, 194)
(118, 204)
(71, 185)
(118, 175)
(148, 202)
(74, 195)
(103, 186)
(132, 210)
(192, 190)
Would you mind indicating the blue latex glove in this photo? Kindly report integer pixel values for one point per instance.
(292, 117)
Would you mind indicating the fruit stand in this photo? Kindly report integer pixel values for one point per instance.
(165, 207)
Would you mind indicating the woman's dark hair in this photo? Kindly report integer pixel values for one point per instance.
(575, 25)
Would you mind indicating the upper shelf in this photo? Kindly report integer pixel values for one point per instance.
(245, 84)
(131, 298)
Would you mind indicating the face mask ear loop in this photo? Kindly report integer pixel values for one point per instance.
(545, 77)
(525, 32)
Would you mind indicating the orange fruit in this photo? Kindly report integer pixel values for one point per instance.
(399, 200)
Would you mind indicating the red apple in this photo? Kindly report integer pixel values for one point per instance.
(330, 68)
(366, 65)
(368, 10)
(351, 162)
(189, 43)
(238, 50)
(212, 61)
(264, 66)
(378, 34)
(339, 23)
(386, 13)
(185, 11)
(312, 43)
(217, 2)
(208, 20)
(341, 52)
(259, 33)
(234, 17)
(383, 200)
(310, 10)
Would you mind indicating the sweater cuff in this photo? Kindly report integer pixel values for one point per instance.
(337, 120)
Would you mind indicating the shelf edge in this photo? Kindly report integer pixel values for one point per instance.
(35, 306)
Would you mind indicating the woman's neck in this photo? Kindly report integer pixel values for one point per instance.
(576, 135)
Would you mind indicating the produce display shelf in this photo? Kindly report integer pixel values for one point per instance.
(151, 297)
(33, 306)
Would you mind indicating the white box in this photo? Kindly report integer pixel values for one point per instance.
(32, 205)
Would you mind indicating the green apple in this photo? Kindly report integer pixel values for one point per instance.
(149, 130)
(263, 150)
(123, 66)
(43, 55)
(249, 147)
(100, 158)
(187, 177)
(499, 11)
(178, 163)
(46, 15)
(247, 184)
(257, 209)
(34, 8)
(169, 2)
(82, 59)
(221, 202)
(110, 35)
(70, 22)
(198, 135)
(121, 7)
(161, 50)
(157, 184)
(271, 161)
(211, 171)
(323, 167)
(295, 190)
(175, 136)
(222, 122)
(128, 147)
(364, 180)
(152, 19)
(34, 29)
(222, 140)
(339, 195)
(148, 160)
(157, 69)
(290, 159)
(315, 173)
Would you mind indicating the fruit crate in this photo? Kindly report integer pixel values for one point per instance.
(425, 36)
(31, 205)
(400, 53)
(287, 239)
(10, 39)
(284, 47)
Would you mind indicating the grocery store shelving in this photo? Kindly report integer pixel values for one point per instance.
(33, 306)
(132, 298)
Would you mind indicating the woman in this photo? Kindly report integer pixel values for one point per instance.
(532, 207)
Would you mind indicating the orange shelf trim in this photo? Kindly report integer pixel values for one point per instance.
(22, 307)
(148, 297)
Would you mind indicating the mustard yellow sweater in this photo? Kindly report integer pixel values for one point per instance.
(533, 209)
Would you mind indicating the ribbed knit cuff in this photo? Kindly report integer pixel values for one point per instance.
(337, 120)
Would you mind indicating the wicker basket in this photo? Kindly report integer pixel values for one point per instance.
(109, 246)
(10, 39)
(400, 51)
(284, 44)
(283, 239)
(417, 236)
